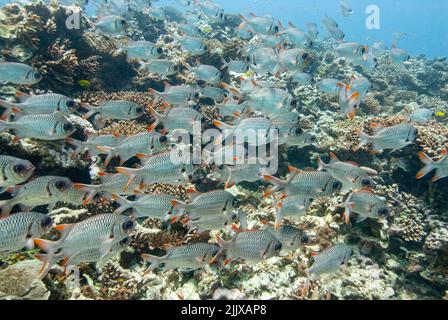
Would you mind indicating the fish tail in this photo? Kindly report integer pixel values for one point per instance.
(6, 207)
(157, 116)
(142, 65)
(154, 92)
(76, 143)
(108, 151)
(429, 165)
(9, 108)
(180, 207)
(364, 139)
(278, 184)
(348, 210)
(321, 164)
(124, 203)
(91, 190)
(153, 261)
(131, 173)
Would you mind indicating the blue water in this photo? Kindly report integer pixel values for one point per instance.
(424, 21)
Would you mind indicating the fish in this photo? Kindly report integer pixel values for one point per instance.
(366, 204)
(84, 83)
(172, 167)
(18, 230)
(18, 73)
(349, 173)
(157, 206)
(250, 171)
(263, 25)
(232, 108)
(299, 77)
(346, 10)
(177, 95)
(264, 60)
(312, 30)
(216, 94)
(292, 238)
(212, 11)
(352, 50)
(309, 184)
(329, 86)
(271, 101)
(14, 171)
(361, 85)
(45, 190)
(292, 206)
(191, 30)
(254, 131)
(235, 66)
(91, 255)
(111, 25)
(293, 59)
(48, 127)
(422, 115)
(206, 73)
(296, 37)
(140, 50)
(177, 119)
(330, 260)
(379, 47)
(149, 142)
(189, 257)
(252, 246)
(110, 184)
(93, 141)
(440, 166)
(348, 100)
(194, 46)
(40, 104)
(207, 204)
(333, 29)
(209, 223)
(228, 154)
(101, 231)
(114, 110)
(296, 137)
(398, 56)
(394, 137)
(160, 67)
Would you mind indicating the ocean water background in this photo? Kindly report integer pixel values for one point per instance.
(424, 21)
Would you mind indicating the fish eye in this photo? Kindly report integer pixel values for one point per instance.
(203, 120)
(163, 139)
(68, 127)
(196, 95)
(71, 104)
(305, 56)
(37, 75)
(128, 225)
(123, 22)
(176, 67)
(278, 246)
(313, 139)
(304, 239)
(276, 28)
(336, 185)
(205, 48)
(234, 216)
(366, 182)
(61, 184)
(294, 102)
(139, 109)
(125, 241)
(46, 222)
(299, 131)
(159, 50)
(383, 211)
(20, 168)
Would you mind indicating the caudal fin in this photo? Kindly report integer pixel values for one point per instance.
(124, 203)
(429, 165)
(277, 183)
(364, 139)
(153, 261)
(6, 208)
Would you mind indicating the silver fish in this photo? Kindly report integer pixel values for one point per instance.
(329, 86)
(18, 73)
(157, 206)
(349, 173)
(14, 171)
(331, 259)
(235, 66)
(144, 50)
(178, 119)
(261, 25)
(119, 110)
(93, 141)
(252, 170)
(177, 95)
(346, 10)
(18, 230)
(366, 204)
(252, 246)
(216, 94)
(111, 25)
(161, 67)
(309, 184)
(291, 237)
(187, 258)
(40, 104)
(206, 73)
(395, 137)
(422, 115)
(194, 46)
(41, 126)
(41, 191)
(292, 206)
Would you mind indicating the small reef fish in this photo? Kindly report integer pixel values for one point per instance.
(250, 171)
(292, 206)
(177, 119)
(189, 257)
(333, 29)
(346, 10)
(149, 142)
(117, 110)
(176, 95)
(352, 50)
(18, 73)
(309, 184)
(111, 25)
(18, 230)
(361, 85)
(296, 37)
(216, 94)
(261, 25)
(300, 78)
(422, 115)
(47, 127)
(93, 141)
(349, 173)
(141, 50)
(292, 238)
(252, 246)
(38, 192)
(228, 154)
(157, 206)
(161, 67)
(296, 137)
(194, 46)
(398, 56)
(235, 66)
(366, 204)
(40, 104)
(395, 137)
(206, 73)
(440, 166)
(329, 86)
(14, 171)
(348, 101)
